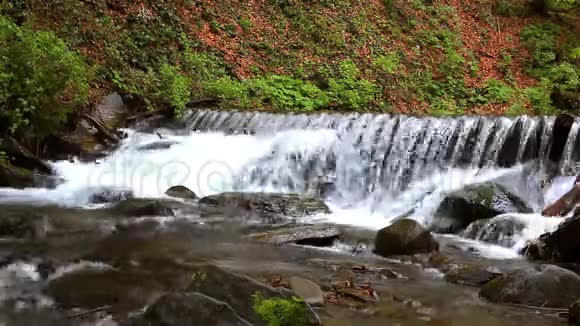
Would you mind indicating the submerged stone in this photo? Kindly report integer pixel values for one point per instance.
(266, 205)
(310, 235)
(190, 308)
(238, 291)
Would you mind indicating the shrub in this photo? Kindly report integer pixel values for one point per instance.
(562, 5)
(564, 77)
(289, 93)
(539, 98)
(41, 79)
(232, 91)
(518, 108)
(349, 90)
(497, 91)
(281, 312)
(387, 63)
(541, 42)
(175, 87)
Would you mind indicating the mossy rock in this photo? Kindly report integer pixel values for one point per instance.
(547, 286)
(480, 201)
(404, 237)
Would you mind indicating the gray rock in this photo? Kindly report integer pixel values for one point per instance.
(500, 230)
(181, 192)
(308, 290)
(309, 235)
(142, 207)
(237, 291)
(191, 309)
(545, 285)
(111, 111)
(13, 177)
(404, 237)
(574, 313)
(266, 205)
(475, 202)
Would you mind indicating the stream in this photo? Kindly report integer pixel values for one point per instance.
(378, 166)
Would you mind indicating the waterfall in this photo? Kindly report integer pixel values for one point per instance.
(378, 165)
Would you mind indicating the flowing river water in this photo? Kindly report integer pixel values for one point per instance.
(379, 166)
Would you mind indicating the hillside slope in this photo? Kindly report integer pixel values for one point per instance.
(415, 57)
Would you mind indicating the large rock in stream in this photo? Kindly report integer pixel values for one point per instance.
(190, 309)
(475, 202)
(238, 291)
(265, 205)
(562, 245)
(404, 237)
(501, 230)
(542, 286)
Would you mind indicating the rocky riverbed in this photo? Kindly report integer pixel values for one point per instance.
(327, 225)
(144, 262)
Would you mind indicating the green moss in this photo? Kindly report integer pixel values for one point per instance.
(281, 312)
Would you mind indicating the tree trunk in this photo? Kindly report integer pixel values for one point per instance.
(565, 204)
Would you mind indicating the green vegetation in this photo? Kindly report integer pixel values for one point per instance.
(281, 312)
(41, 79)
(3, 158)
(416, 57)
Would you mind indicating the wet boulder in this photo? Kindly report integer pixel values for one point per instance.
(110, 195)
(404, 237)
(180, 192)
(499, 230)
(238, 291)
(266, 205)
(143, 207)
(562, 245)
(188, 309)
(310, 235)
(547, 286)
(111, 111)
(481, 201)
(470, 274)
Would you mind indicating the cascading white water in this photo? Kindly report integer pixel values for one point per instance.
(380, 165)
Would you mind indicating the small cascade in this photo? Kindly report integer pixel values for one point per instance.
(390, 151)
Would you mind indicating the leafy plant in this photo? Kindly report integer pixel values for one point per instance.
(540, 40)
(388, 63)
(497, 91)
(350, 90)
(175, 87)
(539, 98)
(41, 79)
(289, 93)
(281, 312)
